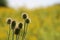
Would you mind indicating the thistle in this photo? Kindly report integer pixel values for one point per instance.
(24, 16)
(27, 21)
(17, 31)
(9, 22)
(20, 27)
(13, 24)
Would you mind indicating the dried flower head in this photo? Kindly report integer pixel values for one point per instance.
(27, 21)
(17, 31)
(24, 16)
(20, 25)
(9, 21)
(13, 24)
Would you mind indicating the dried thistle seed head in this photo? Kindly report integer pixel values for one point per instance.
(13, 24)
(20, 25)
(24, 16)
(9, 21)
(17, 31)
(27, 21)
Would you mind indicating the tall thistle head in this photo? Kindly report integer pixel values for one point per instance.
(9, 21)
(17, 31)
(20, 25)
(24, 16)
(27, 21)
(13, 24)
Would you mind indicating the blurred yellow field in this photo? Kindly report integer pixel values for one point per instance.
(44, 25)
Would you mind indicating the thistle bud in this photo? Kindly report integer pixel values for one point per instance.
(13, 24)
(20, 25)
(24, 16)
(27, 21)
(9, 21)
(17, 31)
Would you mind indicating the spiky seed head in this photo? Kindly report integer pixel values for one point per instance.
(13, 24)
(17, 31)
(27, 21)
(20, 25)
(24, 16)
(9, 21)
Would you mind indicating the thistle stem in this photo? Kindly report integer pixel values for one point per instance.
(9, 32)
(16, 37)
(13, 35)
(23, 32)
(26, 31)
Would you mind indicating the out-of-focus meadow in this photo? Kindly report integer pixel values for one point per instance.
(44, 25)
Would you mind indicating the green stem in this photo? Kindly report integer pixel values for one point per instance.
(26, 31)
(16, 37)
(13, 35)
(9, 32)
(23, 32)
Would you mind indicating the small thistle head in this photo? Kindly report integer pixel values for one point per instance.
(27, 21)
(17, 31)
(13, 24)
(9, 21)
(20, 25)
(24, 16)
